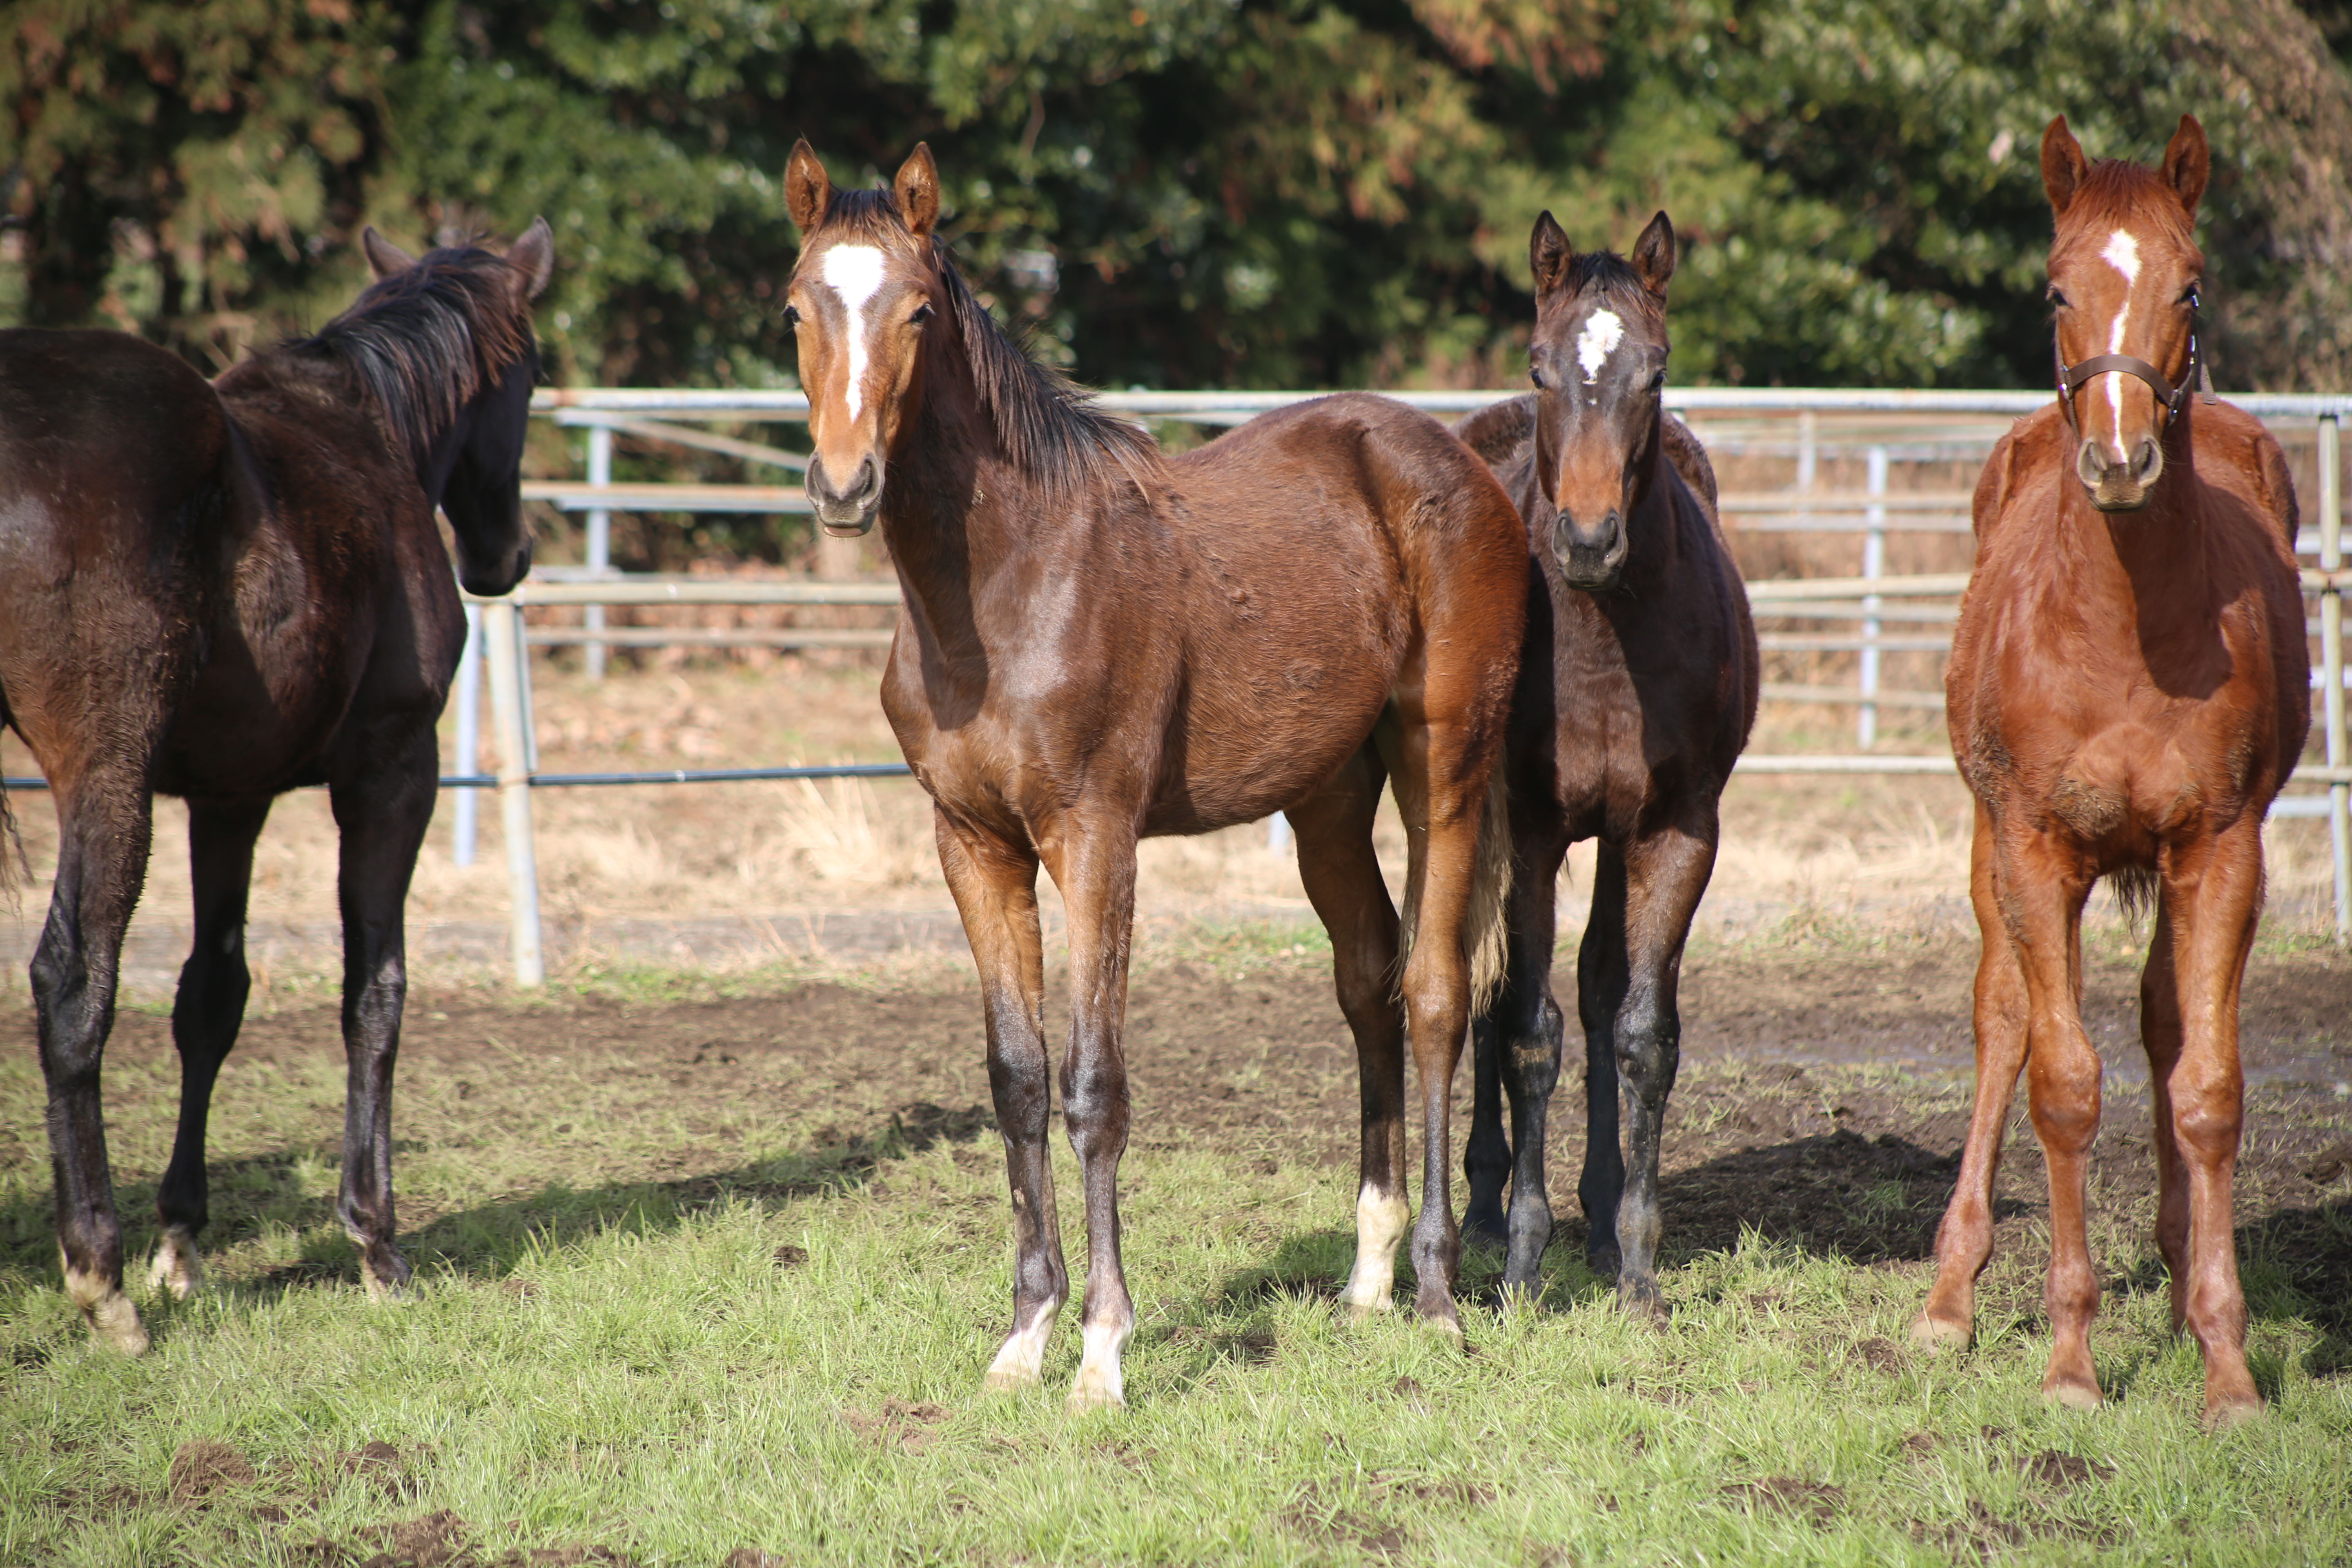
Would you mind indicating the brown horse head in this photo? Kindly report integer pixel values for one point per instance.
(2123, 271)
(1598, 362)
(866, 288)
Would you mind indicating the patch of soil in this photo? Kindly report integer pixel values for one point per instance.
(912, 1428)
(442, 1539)
(1816, 1500)
(203, 1469)
(380, 1465)
(1317, 1518)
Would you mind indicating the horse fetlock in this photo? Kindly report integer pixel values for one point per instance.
(1381, 1220)
(1021, 1361)
(386, 1274)
(178, 1265)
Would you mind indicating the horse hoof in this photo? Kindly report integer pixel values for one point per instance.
(1603, 1261)
(1008, 1381)
(1644, 1306)
(2225, 1412)
(1938, 1333)
(1364, 1309)
(386, 1286)
(1443, 1320)
(114, 1323)
(2072, 1391)
(1088, 1395)
(177, 1266)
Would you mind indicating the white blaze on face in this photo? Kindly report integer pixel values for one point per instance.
(1603, 330)
(2122, 253)
(853, 272)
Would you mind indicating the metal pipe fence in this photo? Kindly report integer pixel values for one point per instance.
(1886, 427)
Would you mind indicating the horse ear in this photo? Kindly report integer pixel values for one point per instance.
(534, 257)
(383, 257)
(807, 193)
(1549, 254)
(1654, 254)
(2187, 162)
(2063, 167)
(918, 190)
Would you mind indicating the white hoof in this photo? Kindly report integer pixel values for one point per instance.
(178, 1265)
(114, 1320)
(387, 1292)
(1021, 1361)
(1380, 1224)
(1101, 1384)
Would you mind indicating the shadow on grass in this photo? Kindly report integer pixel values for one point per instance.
(253, 1195)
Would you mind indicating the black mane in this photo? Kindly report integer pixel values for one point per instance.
(1602, 269)
(427, 339)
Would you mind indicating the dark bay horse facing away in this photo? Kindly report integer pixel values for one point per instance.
(2128, 688)
(1100, 645)
(1637, 692)
(221, 591)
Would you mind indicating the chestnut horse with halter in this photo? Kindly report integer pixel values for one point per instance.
(1100, 644)
(223, 590)
(1637, 689)
(2128, 688)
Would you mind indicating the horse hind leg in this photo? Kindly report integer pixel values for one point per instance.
(206, 1017)
(105, 819)
(381, 813)
(1342, 878)
(1526, 1037)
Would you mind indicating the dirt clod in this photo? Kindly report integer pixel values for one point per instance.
(2330, 1165)
(1880, 1355)
(519, 1290)
(791, 1257)
(202, 1467)
(1919, 1444)
(751, 1557)
(909, 1427)
(2064, 1470)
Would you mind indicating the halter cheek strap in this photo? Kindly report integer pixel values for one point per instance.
(2071, 378)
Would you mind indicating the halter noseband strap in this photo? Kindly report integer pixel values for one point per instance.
(2071, 378)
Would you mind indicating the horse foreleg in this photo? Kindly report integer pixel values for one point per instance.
(996, 889)
(1964, 1240)
(105, 820)
(2159, 1033)
(1529, 1050)
(1602, 976)
(1342, 878)
(1666, 873)
(2044, 881)
(382, 800)
(1095, 868)
(205, 1016)
(2215, 891)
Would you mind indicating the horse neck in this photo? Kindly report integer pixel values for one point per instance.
(1654, 547)
(957, 515)
(2152, 556)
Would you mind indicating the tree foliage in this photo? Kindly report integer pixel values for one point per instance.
(1184, 192)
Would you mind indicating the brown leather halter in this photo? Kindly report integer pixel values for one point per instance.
(2071, 378)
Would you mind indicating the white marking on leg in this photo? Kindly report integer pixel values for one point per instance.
(1603, 330)
(1099, 1383)
(854, 273)
(1021, 1363)
(2122, 253)
(178, 1265)
(1382, 1219)
(114, 1320)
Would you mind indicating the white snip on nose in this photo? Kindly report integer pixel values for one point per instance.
(2122, 253)
(1603, 330)
(854, 273)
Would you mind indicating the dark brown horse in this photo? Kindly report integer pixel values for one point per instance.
(2128, 688)
(1637, 689)
(1099, 644)
(224, 591)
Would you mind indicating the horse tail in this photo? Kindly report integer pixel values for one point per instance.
(1485, 932)
(1485, 925)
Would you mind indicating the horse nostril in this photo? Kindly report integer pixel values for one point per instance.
(2090, 463)
(869, 479)
(2146, 461)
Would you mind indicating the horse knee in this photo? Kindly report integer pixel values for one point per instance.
(2065, 1103)
(1649, 1051)
(1094, 1107)
(2207, 1118)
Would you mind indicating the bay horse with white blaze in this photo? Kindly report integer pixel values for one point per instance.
(223, 590)
(2128, 688)
(1101, 643)
(1637, 689)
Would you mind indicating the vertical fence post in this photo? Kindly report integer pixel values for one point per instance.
(502, 635)
(2331, 663)
(1874, 566)
(1808, 449)
(469, 737)
(600, 538)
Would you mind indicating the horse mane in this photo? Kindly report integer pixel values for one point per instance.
(424, 342)
(2117, 190)
(1049, 428)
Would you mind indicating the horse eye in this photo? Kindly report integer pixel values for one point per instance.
(1535, 376)
(2056, 298)
(791, 316)
(2188, 296)
(1658, 382)
(922, 313)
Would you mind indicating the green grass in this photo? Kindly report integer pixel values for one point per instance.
(622, 1363)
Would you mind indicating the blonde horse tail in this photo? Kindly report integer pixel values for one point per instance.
(1485, 925)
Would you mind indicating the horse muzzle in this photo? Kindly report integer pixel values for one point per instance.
(1590, 559)
(2123, 486)
(847, 511)
(495, 579)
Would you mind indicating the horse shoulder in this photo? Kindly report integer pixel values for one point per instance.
(1994, 483)
(1689, 459)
